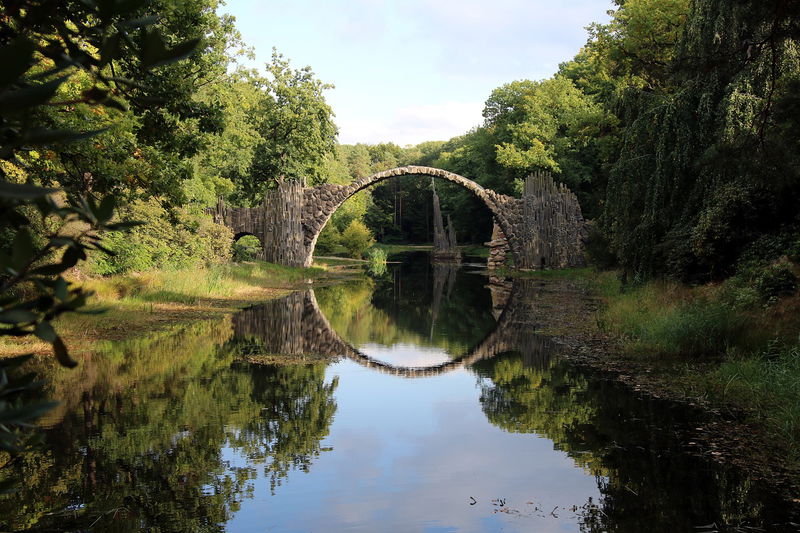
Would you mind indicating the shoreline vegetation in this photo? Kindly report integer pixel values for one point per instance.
(698, 344)
(127, 305)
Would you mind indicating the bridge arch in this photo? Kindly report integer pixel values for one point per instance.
(321, 202)
(543, 228)
(295, 325)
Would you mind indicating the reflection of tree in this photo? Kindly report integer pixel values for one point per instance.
(139, 442)
(400, 309)
(298, 410)
(521, 396)
(632, 446)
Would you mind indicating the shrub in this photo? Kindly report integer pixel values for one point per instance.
(775, 281)
(357, 239)
(377, 262)
(181, 239)
(246, 248)
(329, 239)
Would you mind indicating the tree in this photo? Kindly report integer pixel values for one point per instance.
(356, 238)
(706, 170)
(296, 129)
(45, 46)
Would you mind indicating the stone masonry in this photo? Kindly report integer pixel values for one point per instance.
(543, 230)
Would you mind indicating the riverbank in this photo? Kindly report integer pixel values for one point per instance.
(739, 365)
(130, 305)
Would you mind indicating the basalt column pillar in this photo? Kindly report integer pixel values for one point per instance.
(283, 227)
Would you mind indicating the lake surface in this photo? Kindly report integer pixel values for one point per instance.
(446, 411)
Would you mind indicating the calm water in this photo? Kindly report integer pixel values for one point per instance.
(447, 412)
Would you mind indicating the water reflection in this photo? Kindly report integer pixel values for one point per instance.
(298, 326)
(195, 430)
(635, 448)
(138, 441)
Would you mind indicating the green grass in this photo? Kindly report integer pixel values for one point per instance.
(749, 356)
(187, 286)
(768, 386)
(667, 319)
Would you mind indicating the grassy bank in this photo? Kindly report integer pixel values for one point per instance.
(133, 304)
(709, 346)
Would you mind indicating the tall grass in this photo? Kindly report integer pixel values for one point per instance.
(187, 286)
(768, 383)
(662, 318)
(745, 368)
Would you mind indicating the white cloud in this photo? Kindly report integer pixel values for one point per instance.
(411, 124)
(409, 71)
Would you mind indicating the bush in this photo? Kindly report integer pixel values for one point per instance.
(329, 239)
(775, 281)
(181, 239)
(357, 239)
(377, 262)
(246, 248)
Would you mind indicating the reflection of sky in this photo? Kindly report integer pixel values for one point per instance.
(402, 354)
(408, 455)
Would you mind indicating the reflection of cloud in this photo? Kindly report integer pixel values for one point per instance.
(432, 483)
(406, 354)
(412, 124)
(409, 454)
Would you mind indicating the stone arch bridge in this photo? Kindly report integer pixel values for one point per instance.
(544, 228)
(296, 326)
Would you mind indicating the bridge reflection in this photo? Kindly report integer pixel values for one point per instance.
(296, 326)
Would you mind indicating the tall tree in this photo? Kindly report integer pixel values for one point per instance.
(707, 167)
(296, 129)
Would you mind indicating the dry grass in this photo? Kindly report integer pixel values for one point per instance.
(136, 304)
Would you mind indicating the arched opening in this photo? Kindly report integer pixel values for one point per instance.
(246, 247)
(479, 206)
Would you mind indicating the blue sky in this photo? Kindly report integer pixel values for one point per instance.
(409, 71)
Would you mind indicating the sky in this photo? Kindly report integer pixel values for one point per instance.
(409, 71)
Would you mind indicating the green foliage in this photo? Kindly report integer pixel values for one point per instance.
(58, 71)
(329, 240)
(707, 156)
(295, 128)
(377, 262)
(663, 319)
(246, 248)
(188, 239)
(775, 281)
(539, 125)
(769, 385)
(357, 239)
